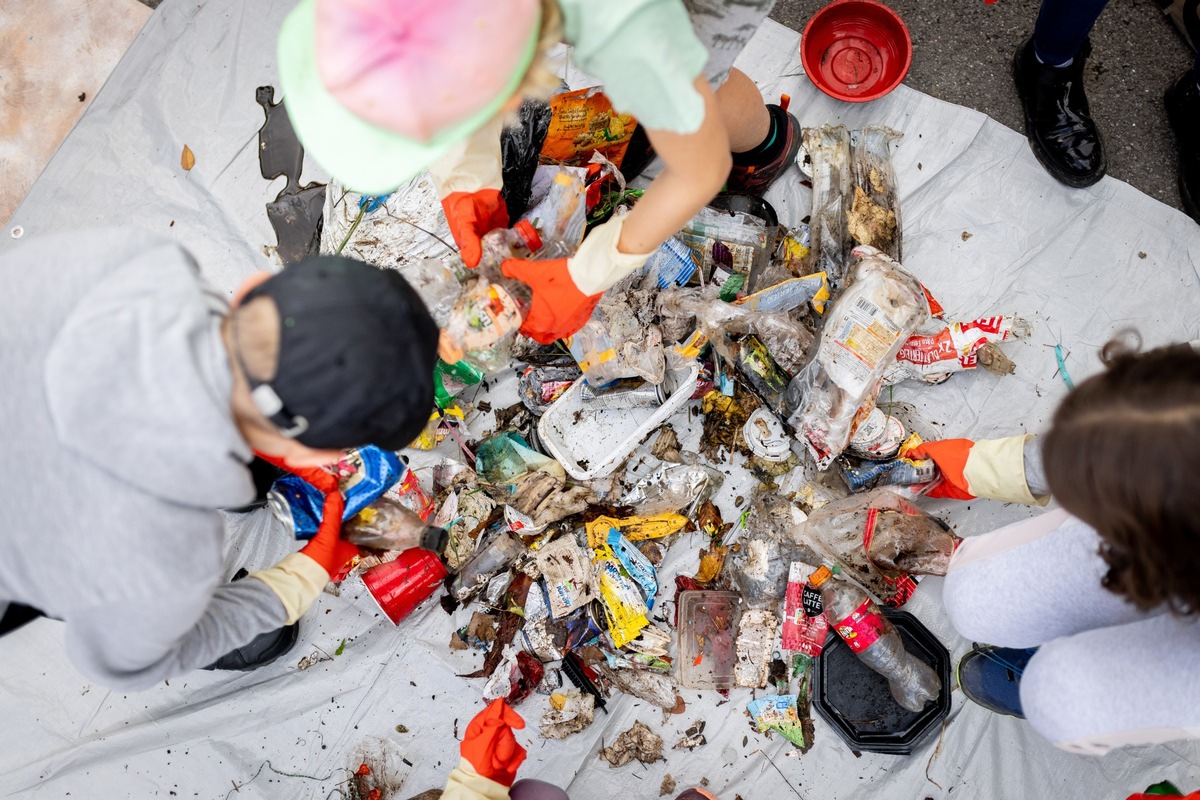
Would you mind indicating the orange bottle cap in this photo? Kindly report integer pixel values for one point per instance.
(820, 576)
(526, 231)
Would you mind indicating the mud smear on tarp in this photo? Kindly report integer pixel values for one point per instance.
(297, 213)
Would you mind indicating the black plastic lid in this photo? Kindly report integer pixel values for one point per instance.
(857, 703)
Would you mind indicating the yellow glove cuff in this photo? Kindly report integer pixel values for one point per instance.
(995, 469)
(598, 264)
(471, 164)
(297, 581)
(467, 784)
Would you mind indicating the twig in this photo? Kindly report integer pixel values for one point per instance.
(785, 778)
(934, 754)
(237, 787)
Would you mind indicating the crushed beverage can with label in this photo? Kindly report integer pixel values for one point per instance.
(363, 475)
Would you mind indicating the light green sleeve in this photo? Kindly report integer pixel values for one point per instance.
(645, 54)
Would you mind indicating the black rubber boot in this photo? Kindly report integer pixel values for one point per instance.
(1183, 112)
(1058, 124)
(262, 650)
(265, 648)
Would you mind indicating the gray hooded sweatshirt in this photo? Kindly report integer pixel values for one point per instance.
(117, 445)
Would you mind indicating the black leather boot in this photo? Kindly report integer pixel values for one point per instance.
(1057, 121)
(1183, 112)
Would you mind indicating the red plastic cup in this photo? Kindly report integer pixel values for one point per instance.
(399, 586)
(856, 50)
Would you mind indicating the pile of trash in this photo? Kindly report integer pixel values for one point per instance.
(742, 341)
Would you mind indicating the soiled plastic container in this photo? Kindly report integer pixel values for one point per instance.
(708, 626)
(592, 442)
(856, 701)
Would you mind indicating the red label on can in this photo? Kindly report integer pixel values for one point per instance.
(861, 628)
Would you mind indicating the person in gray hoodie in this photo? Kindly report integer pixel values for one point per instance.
(133, 402)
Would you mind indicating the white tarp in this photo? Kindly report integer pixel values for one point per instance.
(1079, 264)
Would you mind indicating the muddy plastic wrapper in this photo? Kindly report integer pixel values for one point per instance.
(762, 372)
(739, 243)
(620, 341)
(708, 624)
(541, 386)
(568, 713)
(785, 339)
(635, 529)
(933, 357)
(541, 499)
(584, 122)
(804, 623)
(653, 687)
(507, 455)
(568, 574)
(436, 429)
(828, 148)
(874, 215)
(674, 488)
(462, 512)
(755, 640)
(490, 558)
(864, 329)
(761, 563)
(520, 149)
(880, 524)
(624, 608)
(778, 713)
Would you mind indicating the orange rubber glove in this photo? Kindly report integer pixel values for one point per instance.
(489, 745)
(558, 308)
(566, 290)
(326, 547)
(950, 455)
(471, 215)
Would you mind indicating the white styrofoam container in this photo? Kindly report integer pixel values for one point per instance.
(592, 443)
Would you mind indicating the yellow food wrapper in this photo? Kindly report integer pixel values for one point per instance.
(431, 437)
(624, 607)
(635, 529)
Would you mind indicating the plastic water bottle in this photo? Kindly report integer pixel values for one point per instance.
(387, 525)
(868, 633)
(487, 561)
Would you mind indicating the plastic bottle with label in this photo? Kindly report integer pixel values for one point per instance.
(388, 525)
(858, 621)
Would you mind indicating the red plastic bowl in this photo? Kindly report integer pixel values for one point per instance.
(856, 50)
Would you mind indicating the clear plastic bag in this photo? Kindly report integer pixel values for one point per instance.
(864, 329)
(762, 558)
(739, 243)
(828, 147)
(621, 340)
(438, 286)
(874, 215)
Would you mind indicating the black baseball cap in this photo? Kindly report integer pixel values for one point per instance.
(357, 348)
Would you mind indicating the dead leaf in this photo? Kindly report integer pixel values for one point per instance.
(188, 159)
(966, 235)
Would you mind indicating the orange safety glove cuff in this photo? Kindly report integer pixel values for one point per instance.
(950, 455)
(558, 308)
(471, 215)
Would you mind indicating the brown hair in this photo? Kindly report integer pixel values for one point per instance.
(1123, 455)
(541, 81)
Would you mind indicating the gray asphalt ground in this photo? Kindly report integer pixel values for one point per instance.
(963, 49)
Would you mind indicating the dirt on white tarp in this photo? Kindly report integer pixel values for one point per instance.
(1079, 264)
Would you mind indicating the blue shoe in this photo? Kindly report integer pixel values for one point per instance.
(991, 677)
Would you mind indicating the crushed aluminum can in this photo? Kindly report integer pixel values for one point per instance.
(766, 437)
(625, 393)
